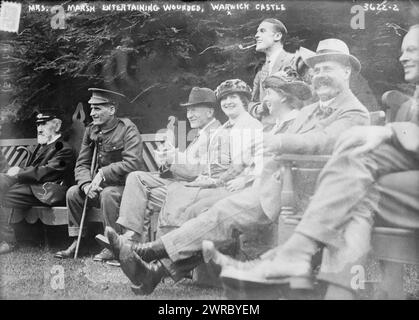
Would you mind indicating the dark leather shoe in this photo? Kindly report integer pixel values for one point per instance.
(103, 241)
(145, 276)
(113, 241)
(6, 247)
(67, 253)
(150, 251)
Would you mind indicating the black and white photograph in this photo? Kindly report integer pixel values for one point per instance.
(209, 150)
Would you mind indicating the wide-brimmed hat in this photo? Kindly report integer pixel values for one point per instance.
(201, 96)
(333, 49)
(103, 96)
(289, 81)
(233, 86)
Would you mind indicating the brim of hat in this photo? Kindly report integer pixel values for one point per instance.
(98, 101)
(247, 94)
(311, 61)
(45, 120)
(298, 89)
(206, 103)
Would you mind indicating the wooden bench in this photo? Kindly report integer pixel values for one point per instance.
(17, 151)
(392, 247)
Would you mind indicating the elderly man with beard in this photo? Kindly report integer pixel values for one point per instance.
(371, 167)
(42, 182)
(315, 130)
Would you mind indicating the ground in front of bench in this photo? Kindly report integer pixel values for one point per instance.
(27, 274)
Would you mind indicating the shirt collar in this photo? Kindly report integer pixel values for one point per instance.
(289, 116)
(111, 125)
(206, 126)
(325, 104)
(58, 136)
(238, 120)
(274, 56)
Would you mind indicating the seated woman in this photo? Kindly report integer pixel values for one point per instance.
(284, 98)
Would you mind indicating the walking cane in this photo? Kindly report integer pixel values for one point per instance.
(83, 215)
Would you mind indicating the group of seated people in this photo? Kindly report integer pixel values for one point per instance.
(228, 179)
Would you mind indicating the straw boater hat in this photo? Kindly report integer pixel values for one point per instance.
(289, 81)
(333, 49)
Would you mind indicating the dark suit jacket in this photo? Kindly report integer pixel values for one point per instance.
(52, 164)
(309, 136)
(3, 163)
(399, 202)
(284, 59)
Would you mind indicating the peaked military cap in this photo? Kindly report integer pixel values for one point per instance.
(103, 96)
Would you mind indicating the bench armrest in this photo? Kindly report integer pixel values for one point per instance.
(290, 165)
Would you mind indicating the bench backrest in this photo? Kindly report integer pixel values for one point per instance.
(16, 151)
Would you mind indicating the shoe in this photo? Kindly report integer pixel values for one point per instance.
(113, 241)
(210, 253)
(278, 271)
(113, 263)
(148, 251)
(140, 273)
(67, 253)
(6, 247)
(104, 255)
(103, 241)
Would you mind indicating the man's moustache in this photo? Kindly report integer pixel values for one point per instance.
(318, 82)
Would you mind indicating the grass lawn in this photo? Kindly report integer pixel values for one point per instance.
(31, 272)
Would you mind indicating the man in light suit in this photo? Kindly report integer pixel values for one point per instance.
(146, 192)
(340, 214)
(315, 130)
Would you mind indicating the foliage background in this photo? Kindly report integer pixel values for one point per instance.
(159, 57)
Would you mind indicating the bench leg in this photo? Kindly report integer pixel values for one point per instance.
(45, 233)
(392, 281)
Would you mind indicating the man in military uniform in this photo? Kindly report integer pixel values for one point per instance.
(117, 146)
(42, 182)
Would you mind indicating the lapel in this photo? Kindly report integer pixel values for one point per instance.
(34, 154)
(38, 157)
(280, 62)
(305, 122)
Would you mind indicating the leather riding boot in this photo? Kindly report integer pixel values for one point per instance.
(153, 276)
(150, 251)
